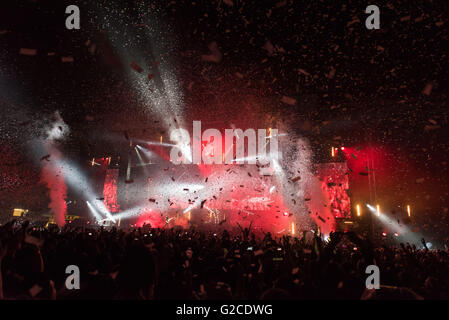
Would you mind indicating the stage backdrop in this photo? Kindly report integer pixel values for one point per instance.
(335, 184)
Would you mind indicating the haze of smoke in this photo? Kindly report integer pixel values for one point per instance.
(52, 174)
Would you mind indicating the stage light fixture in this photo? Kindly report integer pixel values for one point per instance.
(359, 213)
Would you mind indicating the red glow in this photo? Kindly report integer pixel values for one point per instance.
(53, 177)
(156, 220)
(335, 183)
(378, 171)
(248, 199)
(110, 190)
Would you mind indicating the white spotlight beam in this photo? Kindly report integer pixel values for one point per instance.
(94, 211)
(102, 208)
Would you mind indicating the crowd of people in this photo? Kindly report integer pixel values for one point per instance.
(189, 264)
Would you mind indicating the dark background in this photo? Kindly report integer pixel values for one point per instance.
(375, 99)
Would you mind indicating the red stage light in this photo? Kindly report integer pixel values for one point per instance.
(286, 214)
(342, 148)
(384, 234)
